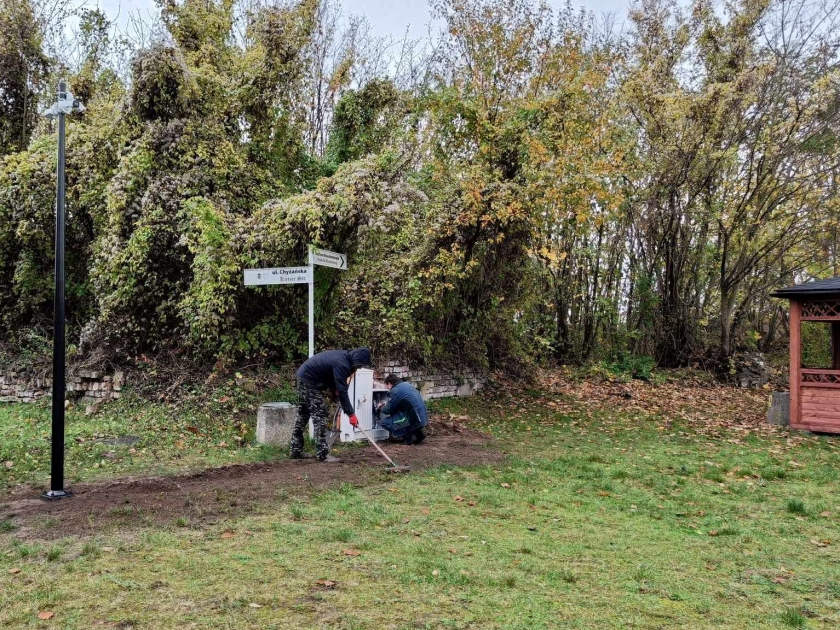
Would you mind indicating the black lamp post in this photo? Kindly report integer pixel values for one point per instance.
(66, 104)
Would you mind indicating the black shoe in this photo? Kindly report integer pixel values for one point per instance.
(409, 439)
(419, 436)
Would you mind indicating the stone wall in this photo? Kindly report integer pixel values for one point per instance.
(90, 385)
(434, 383)
(94, 386)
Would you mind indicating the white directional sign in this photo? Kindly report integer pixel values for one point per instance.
(326, 258)
(278, 275)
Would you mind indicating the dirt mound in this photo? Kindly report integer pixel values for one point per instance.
(206, 496)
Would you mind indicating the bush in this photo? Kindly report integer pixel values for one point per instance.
(628, 366)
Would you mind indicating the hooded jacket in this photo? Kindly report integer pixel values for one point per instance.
(330, 371)
(404, 398)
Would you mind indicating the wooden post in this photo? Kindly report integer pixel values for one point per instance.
(835, 345)
(795, 360)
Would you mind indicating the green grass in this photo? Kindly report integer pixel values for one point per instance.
(794, 619)
(796, 506)
(606, 523)
(131, 436)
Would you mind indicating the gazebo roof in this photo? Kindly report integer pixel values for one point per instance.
(817, 288)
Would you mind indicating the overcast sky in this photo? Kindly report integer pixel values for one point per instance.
(388, 17)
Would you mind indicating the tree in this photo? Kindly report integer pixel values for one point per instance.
(23, 72)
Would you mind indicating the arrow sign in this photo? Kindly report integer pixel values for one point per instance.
(278, 275)
(326, 258)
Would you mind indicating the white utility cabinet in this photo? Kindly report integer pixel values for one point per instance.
(364, 395)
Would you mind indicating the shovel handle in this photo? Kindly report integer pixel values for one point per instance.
(381, 452)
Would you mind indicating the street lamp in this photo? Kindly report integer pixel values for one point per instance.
(66, 104)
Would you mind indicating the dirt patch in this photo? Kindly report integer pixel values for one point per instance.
(209, 495)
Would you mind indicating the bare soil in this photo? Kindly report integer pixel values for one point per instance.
(205, 497)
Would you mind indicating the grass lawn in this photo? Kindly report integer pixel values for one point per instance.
(596, 519)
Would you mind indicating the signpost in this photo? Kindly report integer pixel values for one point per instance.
(326, 258)
(299, 275)
(278, 275)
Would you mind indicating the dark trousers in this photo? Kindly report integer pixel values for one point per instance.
(311, 405)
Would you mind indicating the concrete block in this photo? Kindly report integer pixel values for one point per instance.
(466, 389)
(778, 412)
(275, 422)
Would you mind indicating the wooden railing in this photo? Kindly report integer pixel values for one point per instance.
(812, 377)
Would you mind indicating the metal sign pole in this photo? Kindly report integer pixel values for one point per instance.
(311, 305)
(57, 490)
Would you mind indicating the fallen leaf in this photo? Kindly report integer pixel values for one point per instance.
(351, 552)
(603, 493)
(505, 485)
(436, 573)
(224, 399)
(14, 571)
(179, 444)
(46, 615)
(825, 514)
(426, 511)
(532, 529)
(714, 532)
(193, 429)
(222, 444)
(108, 549)
(459, 498)
(453, 550)
(820, 543)
(780, 579)
(406, 521)
(471, 504)
(228, 534)
(254, 605)
(9, 464)
(326, 583)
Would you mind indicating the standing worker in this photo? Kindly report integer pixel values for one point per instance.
(324, 372)
(404, 415)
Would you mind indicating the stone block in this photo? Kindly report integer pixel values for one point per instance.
(465, 389)
(778, 412)
(275, 422)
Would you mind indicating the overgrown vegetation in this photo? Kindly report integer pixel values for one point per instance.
(535, 187)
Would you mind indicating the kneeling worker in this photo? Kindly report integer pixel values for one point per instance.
(324, 372)
(404, 415)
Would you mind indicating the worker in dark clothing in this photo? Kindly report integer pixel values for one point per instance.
(328, 371)
(404, 415)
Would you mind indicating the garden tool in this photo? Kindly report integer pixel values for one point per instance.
(335, 430)
(395, 468)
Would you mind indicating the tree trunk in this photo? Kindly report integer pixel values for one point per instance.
(727, 307)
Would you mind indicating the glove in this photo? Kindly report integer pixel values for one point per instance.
(354, 420)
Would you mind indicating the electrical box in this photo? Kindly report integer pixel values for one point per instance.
(365, 395)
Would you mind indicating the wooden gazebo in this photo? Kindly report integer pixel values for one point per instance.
(814, 392)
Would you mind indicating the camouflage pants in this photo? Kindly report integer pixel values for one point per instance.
(311, 405)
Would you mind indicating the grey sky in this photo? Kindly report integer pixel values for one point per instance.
(387, 17)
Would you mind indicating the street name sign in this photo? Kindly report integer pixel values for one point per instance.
(278, 275)
(326, 258)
